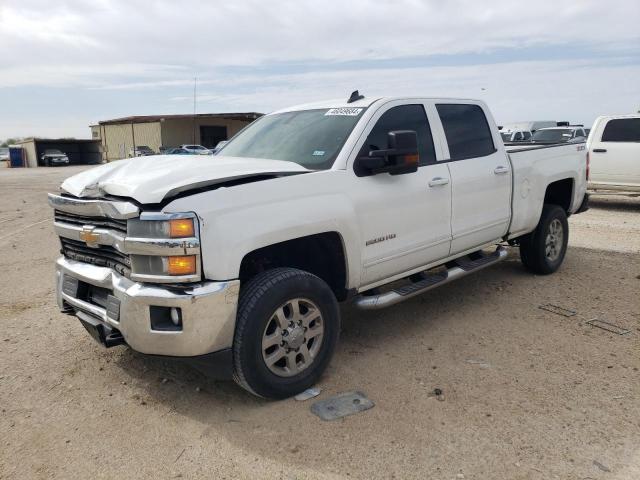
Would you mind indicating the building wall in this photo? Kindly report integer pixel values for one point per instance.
(118, 139)
(178, 131)
(95, 132)
(148, 134)
(30, 153)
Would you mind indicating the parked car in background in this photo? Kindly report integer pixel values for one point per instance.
(179, 151)
(516, 136)
(4, 154)
(141, 151)
(614, 153)
(53, 157)
(219, 146)
(239, 263)
(197, 149)
(559, 135)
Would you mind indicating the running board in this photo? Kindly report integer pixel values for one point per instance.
(459, 268)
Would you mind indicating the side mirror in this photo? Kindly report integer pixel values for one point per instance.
(401, 157)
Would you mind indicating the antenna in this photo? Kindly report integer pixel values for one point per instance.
(193, 135)
(355, 96)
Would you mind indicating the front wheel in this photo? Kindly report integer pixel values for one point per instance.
(286, 331)
(542, 251)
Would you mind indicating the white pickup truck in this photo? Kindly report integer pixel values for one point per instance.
(238, 261)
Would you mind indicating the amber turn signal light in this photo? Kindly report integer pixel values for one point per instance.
(183, 265)
(411, 159)
(181, 227)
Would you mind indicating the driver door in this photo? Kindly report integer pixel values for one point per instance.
(405, 219)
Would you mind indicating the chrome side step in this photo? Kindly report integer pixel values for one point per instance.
(460, 268)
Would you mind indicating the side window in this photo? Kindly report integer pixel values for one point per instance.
(518, 137)
(467, 131)
(527, 135)
(403, 117)
(622, 130)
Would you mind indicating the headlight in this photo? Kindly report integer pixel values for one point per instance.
(154, 226)
(165, 248)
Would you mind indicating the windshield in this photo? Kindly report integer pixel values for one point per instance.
(311, 138)
(53, 152)
(555, 135)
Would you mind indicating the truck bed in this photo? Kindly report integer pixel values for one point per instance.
(536, 166)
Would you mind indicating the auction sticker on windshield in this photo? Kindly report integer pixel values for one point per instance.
(349, 112)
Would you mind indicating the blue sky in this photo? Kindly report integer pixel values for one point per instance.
(70, 63)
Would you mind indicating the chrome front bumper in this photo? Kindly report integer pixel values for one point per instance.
(208, 310)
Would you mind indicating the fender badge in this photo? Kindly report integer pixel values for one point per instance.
(389, 236)
(88, 236)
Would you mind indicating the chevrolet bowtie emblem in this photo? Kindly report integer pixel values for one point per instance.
(88, 236)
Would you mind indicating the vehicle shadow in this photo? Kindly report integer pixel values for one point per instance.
(615, 203)
(372, 346)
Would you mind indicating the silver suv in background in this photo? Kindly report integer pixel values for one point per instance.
(570, 134)
(197, 149)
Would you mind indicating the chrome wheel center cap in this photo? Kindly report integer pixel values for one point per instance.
(295, 338)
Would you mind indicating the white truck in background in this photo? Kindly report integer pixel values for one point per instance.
(614, 150)
(238, 261)
(529, 126)
(515, 136)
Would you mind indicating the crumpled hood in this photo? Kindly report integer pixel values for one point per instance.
(151, 179)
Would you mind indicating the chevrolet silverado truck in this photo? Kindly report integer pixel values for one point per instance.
(237, 262)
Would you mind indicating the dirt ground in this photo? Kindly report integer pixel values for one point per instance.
(527, 394)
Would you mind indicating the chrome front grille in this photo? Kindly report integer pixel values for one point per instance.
(102, 256)
(103, 233)
(81, 220)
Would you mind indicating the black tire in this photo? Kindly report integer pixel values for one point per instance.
(533, 247)
(259, 299)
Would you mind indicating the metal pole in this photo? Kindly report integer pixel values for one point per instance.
(193, 139)
(133, 139)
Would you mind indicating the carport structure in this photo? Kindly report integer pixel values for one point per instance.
(79, 151)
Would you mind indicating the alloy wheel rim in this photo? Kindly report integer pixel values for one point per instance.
(554, 240)
(292, 337)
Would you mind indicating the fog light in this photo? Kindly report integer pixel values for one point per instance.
(165, 319)
(183, 265)
(175, 316)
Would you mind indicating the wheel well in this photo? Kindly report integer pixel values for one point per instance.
(321, 254)
(560, 193)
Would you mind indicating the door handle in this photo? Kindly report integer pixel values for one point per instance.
(599, 150)
(435, 181)
(499, 170)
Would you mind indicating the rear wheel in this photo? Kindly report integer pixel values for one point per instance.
(543, 250)
(286, 331)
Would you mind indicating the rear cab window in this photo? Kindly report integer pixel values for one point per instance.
(622, 130)
(467, 130)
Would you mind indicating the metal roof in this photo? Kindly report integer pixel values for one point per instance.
(57, 140)
(158, 118)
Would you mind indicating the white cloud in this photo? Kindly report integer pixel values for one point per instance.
(258, 55)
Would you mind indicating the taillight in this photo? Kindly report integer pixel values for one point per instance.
(587, 165)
